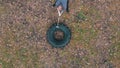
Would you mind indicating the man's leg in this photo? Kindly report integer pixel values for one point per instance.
(65, 4)
(57, 3)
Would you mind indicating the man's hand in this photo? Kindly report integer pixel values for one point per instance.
(60, 10)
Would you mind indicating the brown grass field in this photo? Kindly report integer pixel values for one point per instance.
(95, 41)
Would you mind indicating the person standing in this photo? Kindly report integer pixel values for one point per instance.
(62, 5)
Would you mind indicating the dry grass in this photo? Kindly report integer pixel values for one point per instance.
(95, 41)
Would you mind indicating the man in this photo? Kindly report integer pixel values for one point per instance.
(62, 5)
